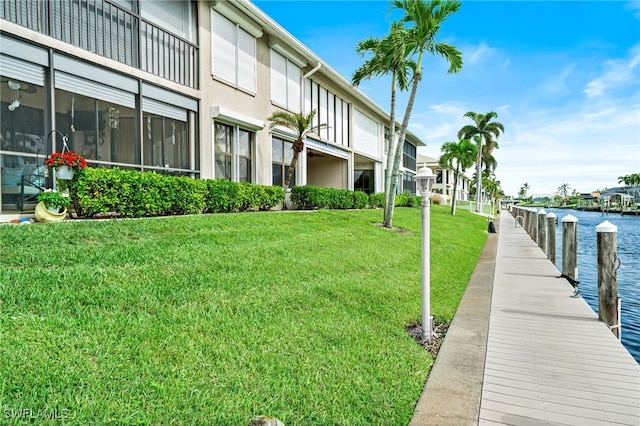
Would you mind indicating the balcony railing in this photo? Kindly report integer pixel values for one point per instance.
(110, 31)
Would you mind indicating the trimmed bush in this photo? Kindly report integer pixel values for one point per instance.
(132, 193)
(309, 197)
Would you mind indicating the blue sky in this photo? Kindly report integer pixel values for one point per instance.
(564, 78)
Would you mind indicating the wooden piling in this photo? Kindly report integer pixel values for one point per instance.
(608, 264)
(570, 248)
(542, 234)
(551, 237)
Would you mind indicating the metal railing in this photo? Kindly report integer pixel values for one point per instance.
(103, 28)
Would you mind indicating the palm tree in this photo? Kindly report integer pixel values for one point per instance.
(487, 131)
(630, 180)
(463, 153)
(526, 188)
(301, 125)
(423, 20)
(389, 55)
(564, 190)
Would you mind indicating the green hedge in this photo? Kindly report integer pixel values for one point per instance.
(309, 197)
(131, 193)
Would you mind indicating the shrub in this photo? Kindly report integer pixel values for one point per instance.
(310, 197)
(437, 199)
(131, 193)
(376, 200)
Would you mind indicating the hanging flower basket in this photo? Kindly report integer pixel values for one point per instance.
(66, 163)
(65, 173)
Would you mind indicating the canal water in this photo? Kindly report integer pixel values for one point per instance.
(628, 274)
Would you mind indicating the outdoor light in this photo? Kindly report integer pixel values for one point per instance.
(425, 179)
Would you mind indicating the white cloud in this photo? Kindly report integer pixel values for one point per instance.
(618, 73)
(477, 53)
(558, 84)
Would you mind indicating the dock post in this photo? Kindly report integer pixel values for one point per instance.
(608, 264)
(542, 235)
(551, 237)
(570, 251)
(534, 225)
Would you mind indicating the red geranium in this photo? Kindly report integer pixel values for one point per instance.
(70, 159)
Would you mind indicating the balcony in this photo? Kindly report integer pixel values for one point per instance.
(103, 28)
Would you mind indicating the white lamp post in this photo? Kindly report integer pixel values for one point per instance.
(425, 179)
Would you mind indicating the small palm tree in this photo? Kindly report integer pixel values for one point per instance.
(301, 125)
(526, 188)
(487, 132)
(463, 153)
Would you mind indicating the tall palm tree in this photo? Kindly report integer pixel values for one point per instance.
(389, 56)
(564, 190)
(526, 188)
(488, 160)
(422, 19)
(300, 125)
(463, 153)
(487, 131)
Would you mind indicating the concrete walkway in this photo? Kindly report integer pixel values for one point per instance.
(521, 351)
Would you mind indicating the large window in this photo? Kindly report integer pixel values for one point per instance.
(165, 142)
(409, 156)
(100, 130)
(281, 156)
(363, 181)
(234, 53)
(330, 110)
(233, 152)
(285, 82)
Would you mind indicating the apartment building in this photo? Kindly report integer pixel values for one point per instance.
(178, 87)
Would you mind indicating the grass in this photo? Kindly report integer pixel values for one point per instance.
(214, 319)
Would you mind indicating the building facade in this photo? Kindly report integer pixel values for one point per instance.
(178, 87)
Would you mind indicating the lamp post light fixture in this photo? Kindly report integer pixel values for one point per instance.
(424, 180)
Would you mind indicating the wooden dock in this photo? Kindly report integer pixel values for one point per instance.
(549, 360)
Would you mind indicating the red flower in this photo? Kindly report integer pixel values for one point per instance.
(67, 158)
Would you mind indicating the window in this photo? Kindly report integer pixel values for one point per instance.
(330, 110)
(165, 142)
(233, 152)
(285, 82)
(409, 156)
(281, 156)
(176, 16)
(363, 181)
(408, 183)
(234, 53)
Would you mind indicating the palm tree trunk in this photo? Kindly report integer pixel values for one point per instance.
(292, 168)
(388, 209)
(455, 190)
(479, 178)
(398, 154)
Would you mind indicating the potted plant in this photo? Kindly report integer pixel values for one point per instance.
(66, 163)
(55, 201)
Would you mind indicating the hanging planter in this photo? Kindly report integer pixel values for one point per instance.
(43, 214)
(64, 172)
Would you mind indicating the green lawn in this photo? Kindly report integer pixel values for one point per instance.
(214, 319)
